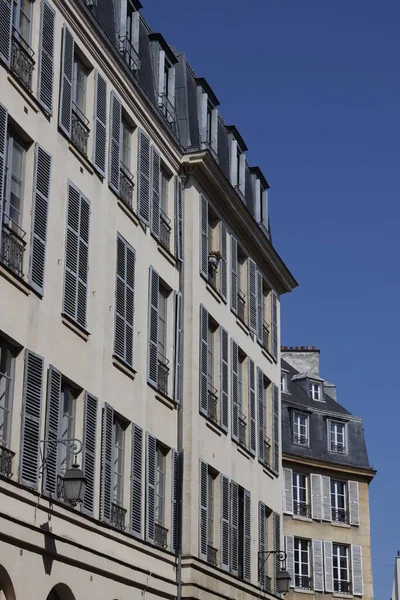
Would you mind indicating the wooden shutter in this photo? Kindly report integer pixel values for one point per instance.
(203, 360)
(316, 497)
(261, 415)
(100, 124)
(318, 566)
(252, 407)
(276, 428)
(136, 480)
(161, 75)
(223, 243)
(246, 536)
(89, 451)
(288, 492)
(40, 207)
(115, 142)
(179, 195)
(234, 276)
(176, 500)
(354, 503)
(67, 67)
(326, 499)
(224, 378)
(106, 476)
(155, 204)
(277, 547)
(260, 311)
(235, 391)
(203, 507)
(262, 545)
(202, 102)
(204, 236)
(252, 288)
(5, 31)
(52, 431)
(225, 520)
(46, 57)
(3, 144)
(289, 548)
(178, 357)
(357, 570)
(152, 361)
(234, 541)
(124, 301)
(274, 324)
(144, 178)
(31, 419)
(151, 474)
(328, 567)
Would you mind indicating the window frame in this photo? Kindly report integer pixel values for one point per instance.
(299, 490)
(299, 563)
(65, 454)
(12, 141)
(284, 382)
(161, 453)
(331, 444)
(6, 438)
(84, 69)
(335, 500)
(163, 293)
(118, 427)
(336, 557)
(316, 391)
(17, 8)
(126, 127)
(296, 417)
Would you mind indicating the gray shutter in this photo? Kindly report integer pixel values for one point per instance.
(100, 124)
(124, 301)
(83, 265)
(234, 276)
(224, 378)
(107, 435)
(328, 567)
(261, 415)
(179, 195)
(144, 178)
(203, 510)
(52, 431)
(234, 541)
(235, 392)
(252, 287)
(89, 451)
(260, 311)
(276, 428)
(225, 519)
(5, 31)
(67, 67)
(274, 324)
(316, 497)
(123, 11)
(40, 207)
(204, 236)
(223, 264)
(354, 503)
(252, 407)
(151, 473)
(178, 357)
(176, 514)
(318, 566)
(31, 419)
(3, 143)
(155, 204)
(357, 570)
(288, 492)
(214, 130)
(152, 361)
(246, 536)
(203, 361)
(326, 499)
(136, 480)
(115, 143)
(289, 548)
(46, 57)
(277, 547)
(262, 545)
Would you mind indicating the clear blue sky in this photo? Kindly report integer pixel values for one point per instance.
(313, 87)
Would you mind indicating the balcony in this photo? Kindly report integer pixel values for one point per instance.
(129, 54)
(301, 581)
(212, 556)
(160, 536)
(242, 430)
(339, 515)
(12, 246)
(165, 230)
(163, 372)
(22, 62)
(167, 109)
(126, 185)
(338, 448)
(300, 439)
(241, 301)
(6, 457)
(118, 516)
(212, 404)
(79, 130)
(343, 587)
(301, 509)
(266, 338)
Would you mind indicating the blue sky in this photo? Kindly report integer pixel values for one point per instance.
(314, 89)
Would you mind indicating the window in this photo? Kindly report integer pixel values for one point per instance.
(210, 511)
(67, 426)
(79, 124)
(241, 403)
(79, 84)
(129, 35)
(22, 19)
(163, 369)
(242, 284)
(165, 221)
(338, 501)
(160, 487)
(118, 473)
(300, 429)
(302, 568)
(126, 136)
(337, 437)
(210, 356)
(6, 375)
(300, 495)
(209, 123)
(341, 579)
(316, 391)
(238, 167)
(126, 184)
(284, 382)
(213, 248)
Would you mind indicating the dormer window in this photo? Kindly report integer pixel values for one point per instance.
(129, 32)
(260, 191)
(337, 437)
(208, 115)
(237, 160)
(316, 390)
(165, 60)
(284, 382)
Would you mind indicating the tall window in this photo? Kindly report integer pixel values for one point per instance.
(14, 180)
(164, 191)
(67, 426)
(210, 356)
(79, 85)
(338, 501)
(126, 136)
(300, 428)
(210, 508)
(238, 155)
(162, 323)
(242, 284)
(302, 568)
(284, 382)
(341, 579)
(22, 19)
(337, 437)
(118, 478)
(6, 372)
(160, 487)
(316, 391)
(300, 495)
(209, 123)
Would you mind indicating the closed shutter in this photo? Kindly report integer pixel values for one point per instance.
(136, 480)
(234, 276)
(225, 519)
(252, 407)
(252, 287)
(176, 501)
(106, 476)
(234, 538)
(204, 237)
(276, 428)
(40, 207)
(274, 324)
(235, 391)
(354, 503)
(316, 497)
(89, 451)
(46, 57)
(155, 192)
(203, 507)
(179, 195)
(223, 264)
(52, 431)
(178, 361)
(326, 499)
(31, 419)
(203, 361)
(288, 492)
(124, 301)
(318, 566)
(100, 124)
(67, 67)
(277, 547)
(3, 143)
(154, 289)
(224, 375)
(261, 415)
(144, 178)
(151, 473)
(246, 536)
(328, 567)
(357, 570)
(5, 31)
(262, 544)
(260, 315)
(115, 142)
(289, 548)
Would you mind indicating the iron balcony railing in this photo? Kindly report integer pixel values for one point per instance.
(160, 536)
(339, 448)
(165, 230)
(212, 556)
(300, 439)
(118, 516)
(343, 587)
(6, 457)
(301, 508)
(128, 51)
(126, 185)
(241, 300)
(12, 246)
(79, 129)
(303, 581)
(22, 62)
(163, 372)
(167, 109)
(242, 430)
(212, 404)
(265, 339)
(339, 515)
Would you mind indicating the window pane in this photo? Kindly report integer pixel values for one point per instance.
(5, 391)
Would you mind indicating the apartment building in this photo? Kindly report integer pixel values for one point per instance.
(139, 319)
(326, 478)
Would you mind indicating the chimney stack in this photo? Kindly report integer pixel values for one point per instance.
(304, 359)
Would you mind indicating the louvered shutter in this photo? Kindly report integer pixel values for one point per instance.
(178, 360)
(234, 541)
(204, 237)
(89, 451)
(235, 391)
(179, 195)
(144, 178)
(246, 536)
(46, 57)
(277, 547)
(225, 520)
(274, 324)
(316, 497)
(5, 31)
(326, 499)
(354, 503)
(155, 205)
(357, 570)
(202, 102)
(154, 288)
(288, 492)
(124, 301)
(289, 548)
(318, 566)
(52, 431)
(40, 207)
(31, 419)
(252, 288)
(234, 276)
(328, 566)
(224, 378)
(106, 475)
(151, 473)
(260, 311)
(252, 407)
(223, 264)
(136, 480)
(115, 142)
(203, 361)
(176, 486)
(262, 545)
(3, 143)
(203, 508)
(276, 428)
(100, 124)
(67, 67)
(261, 415)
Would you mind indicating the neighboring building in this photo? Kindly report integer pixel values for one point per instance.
(139, 313)
(327, 474)
(396, 578)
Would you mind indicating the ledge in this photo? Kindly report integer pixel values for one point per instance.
(166, 400)
(128, 211)
(300, 518)
(124, 368)
(303, 591)
(82, 159)
(244, 451)
(269, 472)
(213, 292)
(29, 98)
(15, 280)
(337, 524)
(268, 356)
(242, 326)
(339, 595)
(213, 426)
(170, 257)
(68, 322)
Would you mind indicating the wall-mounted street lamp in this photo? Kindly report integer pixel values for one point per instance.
(74, 481)
(282, 577)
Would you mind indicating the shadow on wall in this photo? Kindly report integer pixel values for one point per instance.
(6, 586)
(59, 592)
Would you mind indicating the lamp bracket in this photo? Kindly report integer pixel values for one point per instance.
(49, 447)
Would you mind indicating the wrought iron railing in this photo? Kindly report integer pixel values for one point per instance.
(212, 555)
(241, 300)
(126, 185)
(212, 278)
(343, 587)
(301, 508)
(163, 372)
(12, 246)
(212, 404)
(6, 457)
(118, 516)
(79, 130)
(160, 536)
(339, 515)
(165, 230)
(267, 452)
(167, 109)
(242, 430)
(128, 51)
(339, 448)
(300, 439)
(22, 62)
(303, 581)
(265, 339)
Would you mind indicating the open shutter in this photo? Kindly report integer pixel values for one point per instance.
(144, 178)
(179, 192)
(289, 548)
(154, 288)
(203, 515)
(214, 130)
(178, 362)
(52, 431)
(136, 480)
(176, 486)
(223, 264)
(262, 545)
(275, 428)
(83, 264)
(247, 536)
(40, 206)
(115, 142)
(124, 301)
(31, 419)
(252, 407)
(106, 463)
(316, 497)
(326, 499)
(225, 519)
(155, 192)
(328, 567)
(46, 57)
(3, 143)
(318, 566)
(357, 570)
(100, 124)
(234, 276)
(203, 361)
(234, 541)
(252, 286)
(202, 102)
(204, 237)
(274, 324)
(67, 67)
(224, 375)
(161, 76)
(277, 547)
(5, 31)
(288, 492)
(151, 472)
(89, 451)
(261, 415)
(235, 391)
(354, 503)
(260, 315)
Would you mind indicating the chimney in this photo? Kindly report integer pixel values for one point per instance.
(304, 359)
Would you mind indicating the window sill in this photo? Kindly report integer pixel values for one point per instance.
(15, 280)
(338, 524)
(81, 157)
(123, 367)
(242, 450)
(340, 595)
(29, 98)
(268, 356)
(68, 322)
(213, 292)
(243, 326)
(303, 591)
(166, 400)
(129, 212)
(300, 518)
(170, 257)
